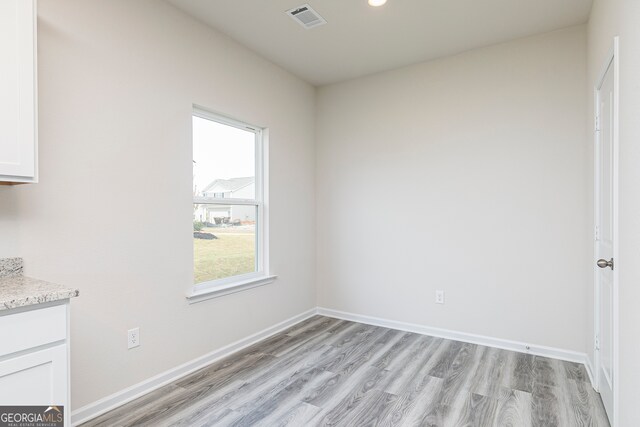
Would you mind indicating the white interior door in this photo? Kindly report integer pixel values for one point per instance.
(606, 234)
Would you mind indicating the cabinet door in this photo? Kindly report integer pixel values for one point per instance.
(36, 378)
(18, 111)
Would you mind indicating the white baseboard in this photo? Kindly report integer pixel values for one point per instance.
(108, 403)
(538, 350)
(588, 365)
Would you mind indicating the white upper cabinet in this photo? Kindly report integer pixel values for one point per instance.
(18, 91)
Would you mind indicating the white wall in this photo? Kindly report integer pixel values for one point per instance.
(112, 213)
(610, 18)
(465, 174)
(8, 223)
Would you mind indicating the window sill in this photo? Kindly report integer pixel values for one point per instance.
(231, 288)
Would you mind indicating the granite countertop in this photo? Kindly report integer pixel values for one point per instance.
(17, 290)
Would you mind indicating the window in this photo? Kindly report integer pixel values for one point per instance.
(229, 212)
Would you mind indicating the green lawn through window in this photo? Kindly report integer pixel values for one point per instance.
(231, 254)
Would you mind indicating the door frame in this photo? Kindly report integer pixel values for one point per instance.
(612, 60)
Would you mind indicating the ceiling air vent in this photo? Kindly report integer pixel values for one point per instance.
(306, 16)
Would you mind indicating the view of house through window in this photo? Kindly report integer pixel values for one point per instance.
(225, 199)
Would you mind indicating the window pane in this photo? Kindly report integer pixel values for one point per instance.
(224, 241)
(223, 160)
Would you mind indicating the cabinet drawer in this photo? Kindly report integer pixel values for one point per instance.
(27, 329)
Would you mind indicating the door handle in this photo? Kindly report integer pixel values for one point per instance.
(603, 263)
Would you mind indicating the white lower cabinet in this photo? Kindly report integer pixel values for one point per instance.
(34, 356)
(35, 378)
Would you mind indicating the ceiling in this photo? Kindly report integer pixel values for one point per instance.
(359, 39)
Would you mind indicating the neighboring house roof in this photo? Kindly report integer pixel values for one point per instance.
(228, 185)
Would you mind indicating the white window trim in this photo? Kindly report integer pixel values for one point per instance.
(229, 285)
(222, 290)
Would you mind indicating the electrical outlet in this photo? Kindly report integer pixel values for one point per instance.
(133, 338)
(439, 297)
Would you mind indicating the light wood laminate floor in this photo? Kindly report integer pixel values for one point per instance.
(325, 371)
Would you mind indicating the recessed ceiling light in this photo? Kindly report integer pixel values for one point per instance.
(376, 3)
